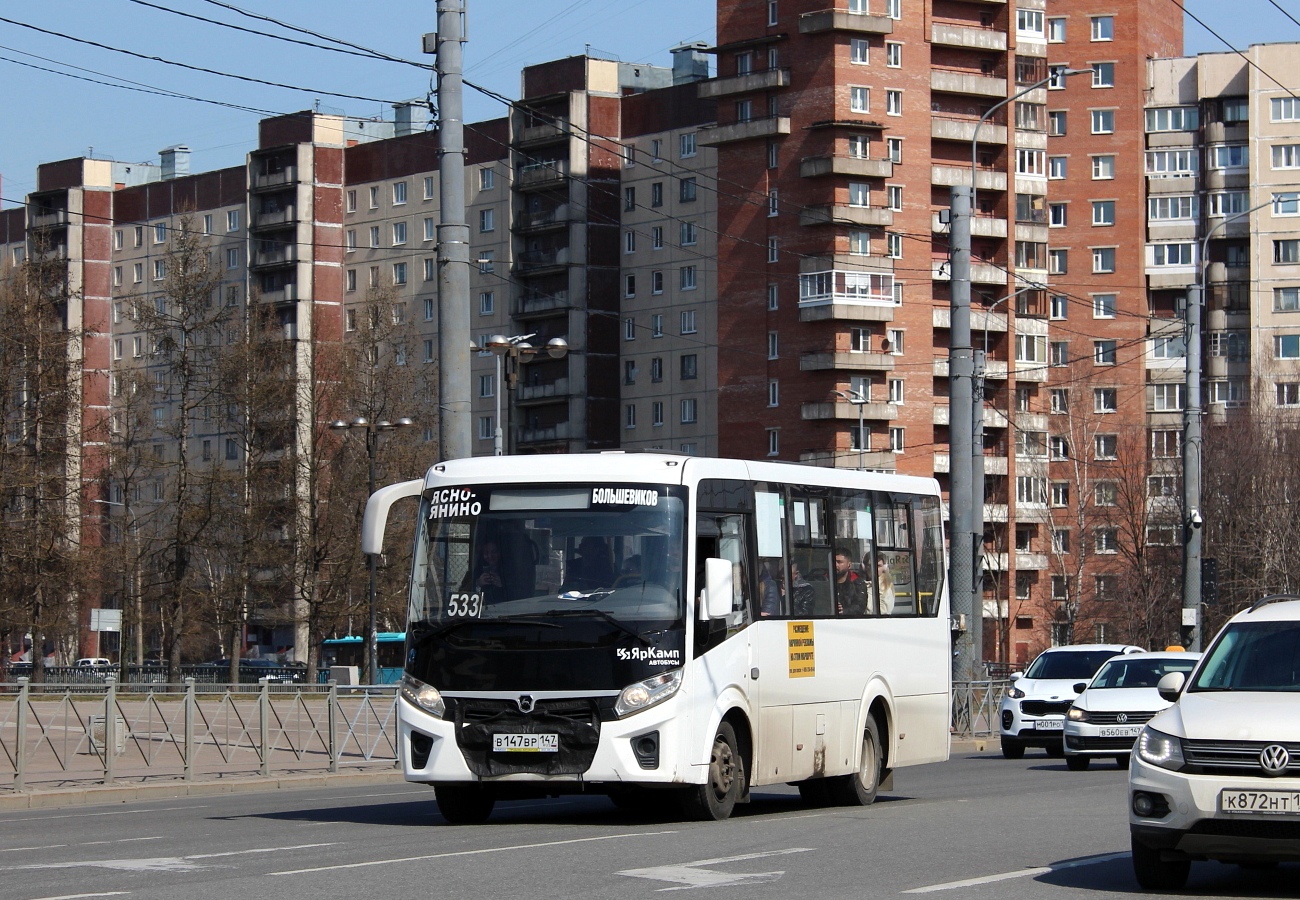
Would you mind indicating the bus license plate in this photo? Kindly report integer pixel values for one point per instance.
(1120, 731)
(1056, 723)
(526, 743)
(1267, 803)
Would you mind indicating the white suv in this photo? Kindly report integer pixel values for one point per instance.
(1217, 775)
(1033, 710)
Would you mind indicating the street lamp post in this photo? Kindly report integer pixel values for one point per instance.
(518, 350)
(858, 399)
(1193, 521)
(372, 431)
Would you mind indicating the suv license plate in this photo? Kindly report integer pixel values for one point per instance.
(526, 743)
(1120, 731)
(1266, 803)
(1055, 723)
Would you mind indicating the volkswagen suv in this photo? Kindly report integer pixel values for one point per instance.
(1217, 775)
(1033, 710)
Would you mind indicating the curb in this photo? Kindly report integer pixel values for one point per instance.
(972, 745)
(127, 793)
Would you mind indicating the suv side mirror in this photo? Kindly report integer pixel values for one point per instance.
(1081, 687)
(1015, 676)
(1171, 685)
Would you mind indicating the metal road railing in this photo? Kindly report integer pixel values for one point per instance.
(60, 735)
(975, 707)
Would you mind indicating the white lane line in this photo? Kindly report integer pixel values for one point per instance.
(121, 812)
(158, 863)
(85, 844)
(1019, 873)
(79, 896)
(385, 862)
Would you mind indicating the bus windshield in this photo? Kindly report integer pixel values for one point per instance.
(521, 553)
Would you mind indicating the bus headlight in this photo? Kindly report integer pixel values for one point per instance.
(425, 696)
(645, 694)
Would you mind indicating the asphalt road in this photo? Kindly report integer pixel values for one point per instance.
(975, 827)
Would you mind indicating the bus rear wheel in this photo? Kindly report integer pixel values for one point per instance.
(716, 798)
(464, 804)
(859, 789)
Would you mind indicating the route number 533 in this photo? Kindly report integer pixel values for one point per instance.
(467, 605)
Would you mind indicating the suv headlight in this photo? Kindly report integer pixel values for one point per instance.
(425, 696)
(1015, 693)
(1160, 749)
(645, 694)
(1078, 715)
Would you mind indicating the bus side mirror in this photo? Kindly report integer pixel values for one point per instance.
(718, 588)
(1169, 686)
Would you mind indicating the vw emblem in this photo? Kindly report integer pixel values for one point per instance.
(525, 703)
(1121, 718)
(1274, 759)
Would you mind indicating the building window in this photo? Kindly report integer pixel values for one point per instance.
(1228, 156)
(1103, 167)
(1030, 24)
(686, 145)
(1103, 260)
(1103, 28)
(893, 103)
(773, 392)
(1056, 30)
(1058, 447)
(1103, 74)
(894, 197)
(773, 345)
(897, 439)
(1056, 122)
(656, 194)
(487, 220)
(159, 269)
(629, 371)
(374, 236)
(894, 149)
(487, 180)
(629, 415)
(1105, 446)
(773, 203)
(689, 367)
(1169, 347)
(1103, 121)
(893, 245)
(773, 442)
(686, 278)
(859, 99)
(1286, 299)
(1103, 306)
(1167, 397)
(399, 273)
(1287, 393)
(1031, 489)
(690, 410)
(160, 233)
(1030, 162)
(1058, 307)
(1103, 212)
(657, 325)
(1106, 540)
(1056, 167)
(1103, 352)
(686, 190)
(859, 53)
(1172, 163)
(893, 54)
(629, 329)
(773, 249)
(1181, 254)
(1105, 400)
(859, 242)
(1056, 214)
(1286, 346)
(689, 234)
(656, 370)
(772, 296)
(629, 285)
(894, 341)
(1173, 118)
(688, 321)
(1060, 493)
(399, 233)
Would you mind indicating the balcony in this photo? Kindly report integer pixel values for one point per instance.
(854, 167)
(960, 175)
(964, 130)
(967, 83)
(1175, 184)
(1030, 371)
(980, 226)
(285, 294)
(766, 80)
(543, 133)
(744, 131)
(266, 219)
(979, 320)
(44, 217)
(842, 20)
(813, 412)
(286, 176)
(536, 262)
(827, 361)
(532, 304)
(968, 36)
(845, 215)
(846, 312)
(997, 562)
(939, 415)
(536, 221)
(538, 175)
(873, 460)
(273, 254)
(546, 434)
(993, 465)
(995, 369)
(1222, 133)
(980, 273)
(535, 393)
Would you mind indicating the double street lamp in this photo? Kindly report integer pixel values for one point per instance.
(372, 431)
(518, 350)
(858, 399)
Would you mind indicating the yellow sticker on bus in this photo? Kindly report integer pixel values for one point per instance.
(803, 649)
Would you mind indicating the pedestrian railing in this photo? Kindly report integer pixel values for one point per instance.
(975, 707)
(60, 735)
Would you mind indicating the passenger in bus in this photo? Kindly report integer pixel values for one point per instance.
(630, 574)
(884, 587)
(591, 569)
(769, 603)
(488, 578)
(801, 592)
(850, 588)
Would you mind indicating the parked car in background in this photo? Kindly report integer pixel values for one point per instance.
(1216, 776)
(1110, 711)
(1033, 710)
(95, 662)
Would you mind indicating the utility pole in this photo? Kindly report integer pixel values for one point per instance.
(453, 238)
(1192, 520)
(964, 593)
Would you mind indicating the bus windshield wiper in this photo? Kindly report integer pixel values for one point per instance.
(600, 613)
(448, 627)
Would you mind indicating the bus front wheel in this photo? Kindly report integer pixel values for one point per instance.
(464, 804)
(716, 798)
(859, 789)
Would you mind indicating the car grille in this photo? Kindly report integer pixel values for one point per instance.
(1045, 707)
(1232, 757)
(1272, 827)
(576, 722)
(1112, 718)
(1119, 745)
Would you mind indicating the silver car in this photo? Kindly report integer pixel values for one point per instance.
(1110, 711)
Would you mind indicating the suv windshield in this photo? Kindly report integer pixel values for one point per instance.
(1253, 656)
(1080, 665)
(1122, 672)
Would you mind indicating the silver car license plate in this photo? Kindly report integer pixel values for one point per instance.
(1120, 731)
(1055, 723)
(1255, 802)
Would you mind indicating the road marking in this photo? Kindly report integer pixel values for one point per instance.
(79, 896)
(690, 875)
(157, 863)
(385, 862)
(1019, 873)
(85, 844)
(121, 812)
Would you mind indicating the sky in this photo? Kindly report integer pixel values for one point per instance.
(52, 116)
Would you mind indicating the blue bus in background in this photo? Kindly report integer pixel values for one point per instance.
(351, 651)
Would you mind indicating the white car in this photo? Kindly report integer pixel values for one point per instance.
(1217, 775)
(1033, 710)
(1110, 711)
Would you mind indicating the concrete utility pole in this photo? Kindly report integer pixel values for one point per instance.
(964, 593)
(1192, 521)
(453, 238)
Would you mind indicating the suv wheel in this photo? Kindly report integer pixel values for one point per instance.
(1156, 874)
(1012, 749)
(1055, 751)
